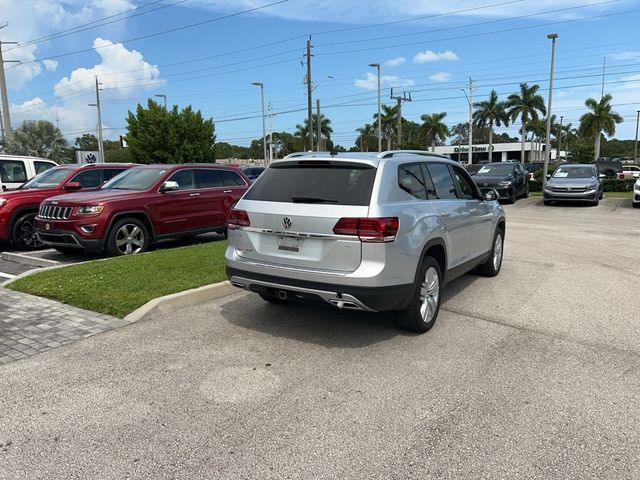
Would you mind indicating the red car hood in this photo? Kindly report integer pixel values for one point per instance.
(25, 192)
(92, 198)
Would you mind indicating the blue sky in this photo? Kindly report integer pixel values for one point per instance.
(425, 48)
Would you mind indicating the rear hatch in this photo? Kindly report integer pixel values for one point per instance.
(293, 208)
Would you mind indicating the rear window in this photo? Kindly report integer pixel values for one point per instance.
(13, 171)
(330, 183)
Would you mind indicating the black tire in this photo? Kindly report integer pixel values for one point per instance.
(514, 196)
(546, 202)
(491, 267)
(635, 205)
(69, 250)
(412, 318)
(24, 233)
(272, 299)
(119, 244)
(595, 203)
(526, 191)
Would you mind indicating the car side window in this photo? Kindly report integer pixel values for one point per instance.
(208, 178)
(184, 179)
(13, 171)
(467, 190)
(89, 178)
(411, 180)
(444, 186)
(232, 179)
(40, 167)
(109, 173)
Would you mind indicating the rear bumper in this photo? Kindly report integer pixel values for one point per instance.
(375, 299)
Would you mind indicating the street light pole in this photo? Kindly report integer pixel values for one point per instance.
(264, 130)
(162, 95)
(97, 105)
(635, 148)
(377, 66)
(553, 37)
(559, 142)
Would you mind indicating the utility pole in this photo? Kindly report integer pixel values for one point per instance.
(318, 132)
(400, 99)
(270, 133)
(559, 142)
(97, 105)
(470, 157)
(7, 132)
(635, 148)
(309, 102)
(604, 68)
(377, 66)
(553, 37)
(264, 135)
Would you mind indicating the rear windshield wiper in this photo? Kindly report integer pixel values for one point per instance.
(312, 200)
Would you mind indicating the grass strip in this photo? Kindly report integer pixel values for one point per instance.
(117, 286)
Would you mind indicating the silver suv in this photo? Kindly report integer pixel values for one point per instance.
(373, 232)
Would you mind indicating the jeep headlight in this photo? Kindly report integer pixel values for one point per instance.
(90, 209)
(2, 201)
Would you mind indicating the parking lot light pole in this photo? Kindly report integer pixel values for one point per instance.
(547, 152)
(264, 131)
(162, 95)
(635, 148)
(377, 66)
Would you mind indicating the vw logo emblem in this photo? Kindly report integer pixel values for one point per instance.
(286, 223)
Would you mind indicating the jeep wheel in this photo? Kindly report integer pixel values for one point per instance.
(24, 233)
(423, 310)
(127, 237)
(492, 266)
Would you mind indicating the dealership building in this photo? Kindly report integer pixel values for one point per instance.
(501, 152)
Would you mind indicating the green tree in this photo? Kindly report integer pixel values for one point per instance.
(155, 135)
(526, 105)
(302, 130)
(434, 128)
(368, 138)
(389, 120)
(489, 113)
(580, 151)
(87, 142)
(39, 138)
(600, 119)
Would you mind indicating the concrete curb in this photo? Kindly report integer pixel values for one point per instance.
(31, 272)
(27, 260)
(172, 302)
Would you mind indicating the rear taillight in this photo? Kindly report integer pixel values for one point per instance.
(377, 230)
(237, 218)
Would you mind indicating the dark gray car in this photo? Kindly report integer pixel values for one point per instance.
(509, 179)
(574, 183)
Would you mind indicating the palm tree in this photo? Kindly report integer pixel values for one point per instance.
(367, 134)
(566, 131)
(389, 120)
(434, 128)
(538, 130)
(39, 138)
(600, 119)
(302, 130)
(526, 105)
(489, 113)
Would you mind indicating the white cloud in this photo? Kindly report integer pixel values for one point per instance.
(628, 55)
(121, 72)
(394, 62)
(370, 82)
(440, 77)
(50, 65)
(431, 56)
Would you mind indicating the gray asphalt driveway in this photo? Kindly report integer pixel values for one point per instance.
(532, 374)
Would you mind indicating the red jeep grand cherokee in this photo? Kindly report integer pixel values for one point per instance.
(141, 206)
(18, 208)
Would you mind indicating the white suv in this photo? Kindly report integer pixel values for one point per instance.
(373, 232)
(16, 169)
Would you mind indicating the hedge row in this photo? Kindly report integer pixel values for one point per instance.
(609, 185)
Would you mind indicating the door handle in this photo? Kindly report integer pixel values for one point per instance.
(444, 214)
(226, 191)
(194, 194)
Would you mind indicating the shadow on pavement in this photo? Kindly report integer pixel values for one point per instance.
(320, 325)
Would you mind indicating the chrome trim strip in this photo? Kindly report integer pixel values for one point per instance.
(297, 234)
(330, 297)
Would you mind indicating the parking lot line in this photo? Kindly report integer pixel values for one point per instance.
(7, 275)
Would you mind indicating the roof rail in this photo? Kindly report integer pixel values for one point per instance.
(423, 153)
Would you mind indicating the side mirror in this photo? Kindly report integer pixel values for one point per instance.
(73, 186)
(548, 175)
(169, 187)
(489, 195)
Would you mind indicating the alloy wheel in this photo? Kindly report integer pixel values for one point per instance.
(129, 239)
(27, 234)
(429, 294)
(497, 252)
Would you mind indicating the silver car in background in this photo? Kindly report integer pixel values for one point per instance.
(574, 182)
(372, 232)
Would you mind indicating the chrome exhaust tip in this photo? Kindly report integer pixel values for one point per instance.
(239, 285)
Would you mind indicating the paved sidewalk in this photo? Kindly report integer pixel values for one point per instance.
(30, 325)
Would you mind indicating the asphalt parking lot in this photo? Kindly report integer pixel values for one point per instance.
(532, 374)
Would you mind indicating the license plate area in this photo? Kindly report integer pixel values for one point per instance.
(289, 244)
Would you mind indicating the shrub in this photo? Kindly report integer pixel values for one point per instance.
(618, 185)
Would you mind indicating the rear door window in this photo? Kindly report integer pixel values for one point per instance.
(208, 178)
(316, 182)
(89, 178)
(411, 180)
(109, 173)
(443, 183)
(232, 179)
(13, 171)
(42, 166)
